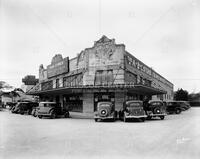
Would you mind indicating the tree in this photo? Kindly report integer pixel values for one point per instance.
(14, 94)
(4, 85)
(181, 94)
(194, 97)
(19, 90)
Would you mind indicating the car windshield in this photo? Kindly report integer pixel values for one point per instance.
(47, 104)
(20, 104)
(134, 104)
(172, 103)
(156, 104)
(104, 105)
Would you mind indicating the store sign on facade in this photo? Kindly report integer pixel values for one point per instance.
(58, 66)
(133, 62)
(137, 64)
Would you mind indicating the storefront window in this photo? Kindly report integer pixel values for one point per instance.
(104, 96)
(73, 102)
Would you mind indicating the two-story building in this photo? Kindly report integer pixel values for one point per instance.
(104, 72)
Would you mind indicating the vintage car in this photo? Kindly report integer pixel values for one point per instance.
(1, 106)
(155, 108)
(23, 107)
(132, 109)
(10, 105)
(35, 111)
(184, 105)
(173, 107)
(51, 109)
(105, 110)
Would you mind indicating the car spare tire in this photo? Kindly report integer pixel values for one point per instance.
(103, 112)
(156, 110)
(178, 111)
(53, 114)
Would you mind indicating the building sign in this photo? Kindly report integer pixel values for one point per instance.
(136, 64)
(105, 52)
(58, 66)
(30, 80)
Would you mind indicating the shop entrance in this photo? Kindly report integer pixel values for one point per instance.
(57, 99)
(73, 102)
(103, 96)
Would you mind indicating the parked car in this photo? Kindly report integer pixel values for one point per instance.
(132, 110)
(23, 107)
(105, 110)
(155, 108)
(184, 105)
(173, 107)
(1, 106)
(11, 105)
(51, 109)
(35, 111)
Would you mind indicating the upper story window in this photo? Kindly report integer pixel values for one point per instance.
(104, 77)
(47, 85)
(74, 80)
(57, 83)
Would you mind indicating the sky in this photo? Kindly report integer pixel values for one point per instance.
(164, 34)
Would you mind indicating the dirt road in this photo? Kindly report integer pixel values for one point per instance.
(23, 136)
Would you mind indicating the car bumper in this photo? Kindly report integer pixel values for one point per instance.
(99, 117)
(43, 114)
(136, 116)
(154, 115)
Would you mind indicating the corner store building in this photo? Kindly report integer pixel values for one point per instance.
(104, 72)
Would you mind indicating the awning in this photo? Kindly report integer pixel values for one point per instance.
(135, 88)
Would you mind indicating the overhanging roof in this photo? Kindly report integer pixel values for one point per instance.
(140, 89)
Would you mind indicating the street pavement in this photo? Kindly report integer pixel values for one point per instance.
(23, 136)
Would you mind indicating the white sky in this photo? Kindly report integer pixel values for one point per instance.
(164, 34)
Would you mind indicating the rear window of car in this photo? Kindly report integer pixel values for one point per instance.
(52, 105)
(170, 104)
(156, 103)
(105, 105)
(47, 104)
(134, 104)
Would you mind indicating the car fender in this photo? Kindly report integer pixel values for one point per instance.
(51, 109)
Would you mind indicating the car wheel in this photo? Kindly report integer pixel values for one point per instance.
(40, 116)
(95, 119)
(124, 118)
(156, 110)
(34, 114)
(162, 117)
(178, 111)
(53, 114)
(143, 119)
(120, 115)
(29, 112)
(149, 117)
(67, 115)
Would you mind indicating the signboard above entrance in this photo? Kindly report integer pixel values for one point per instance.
(58, 66)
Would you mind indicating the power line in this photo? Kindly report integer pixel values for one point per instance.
(191, 79)
(46, 25)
